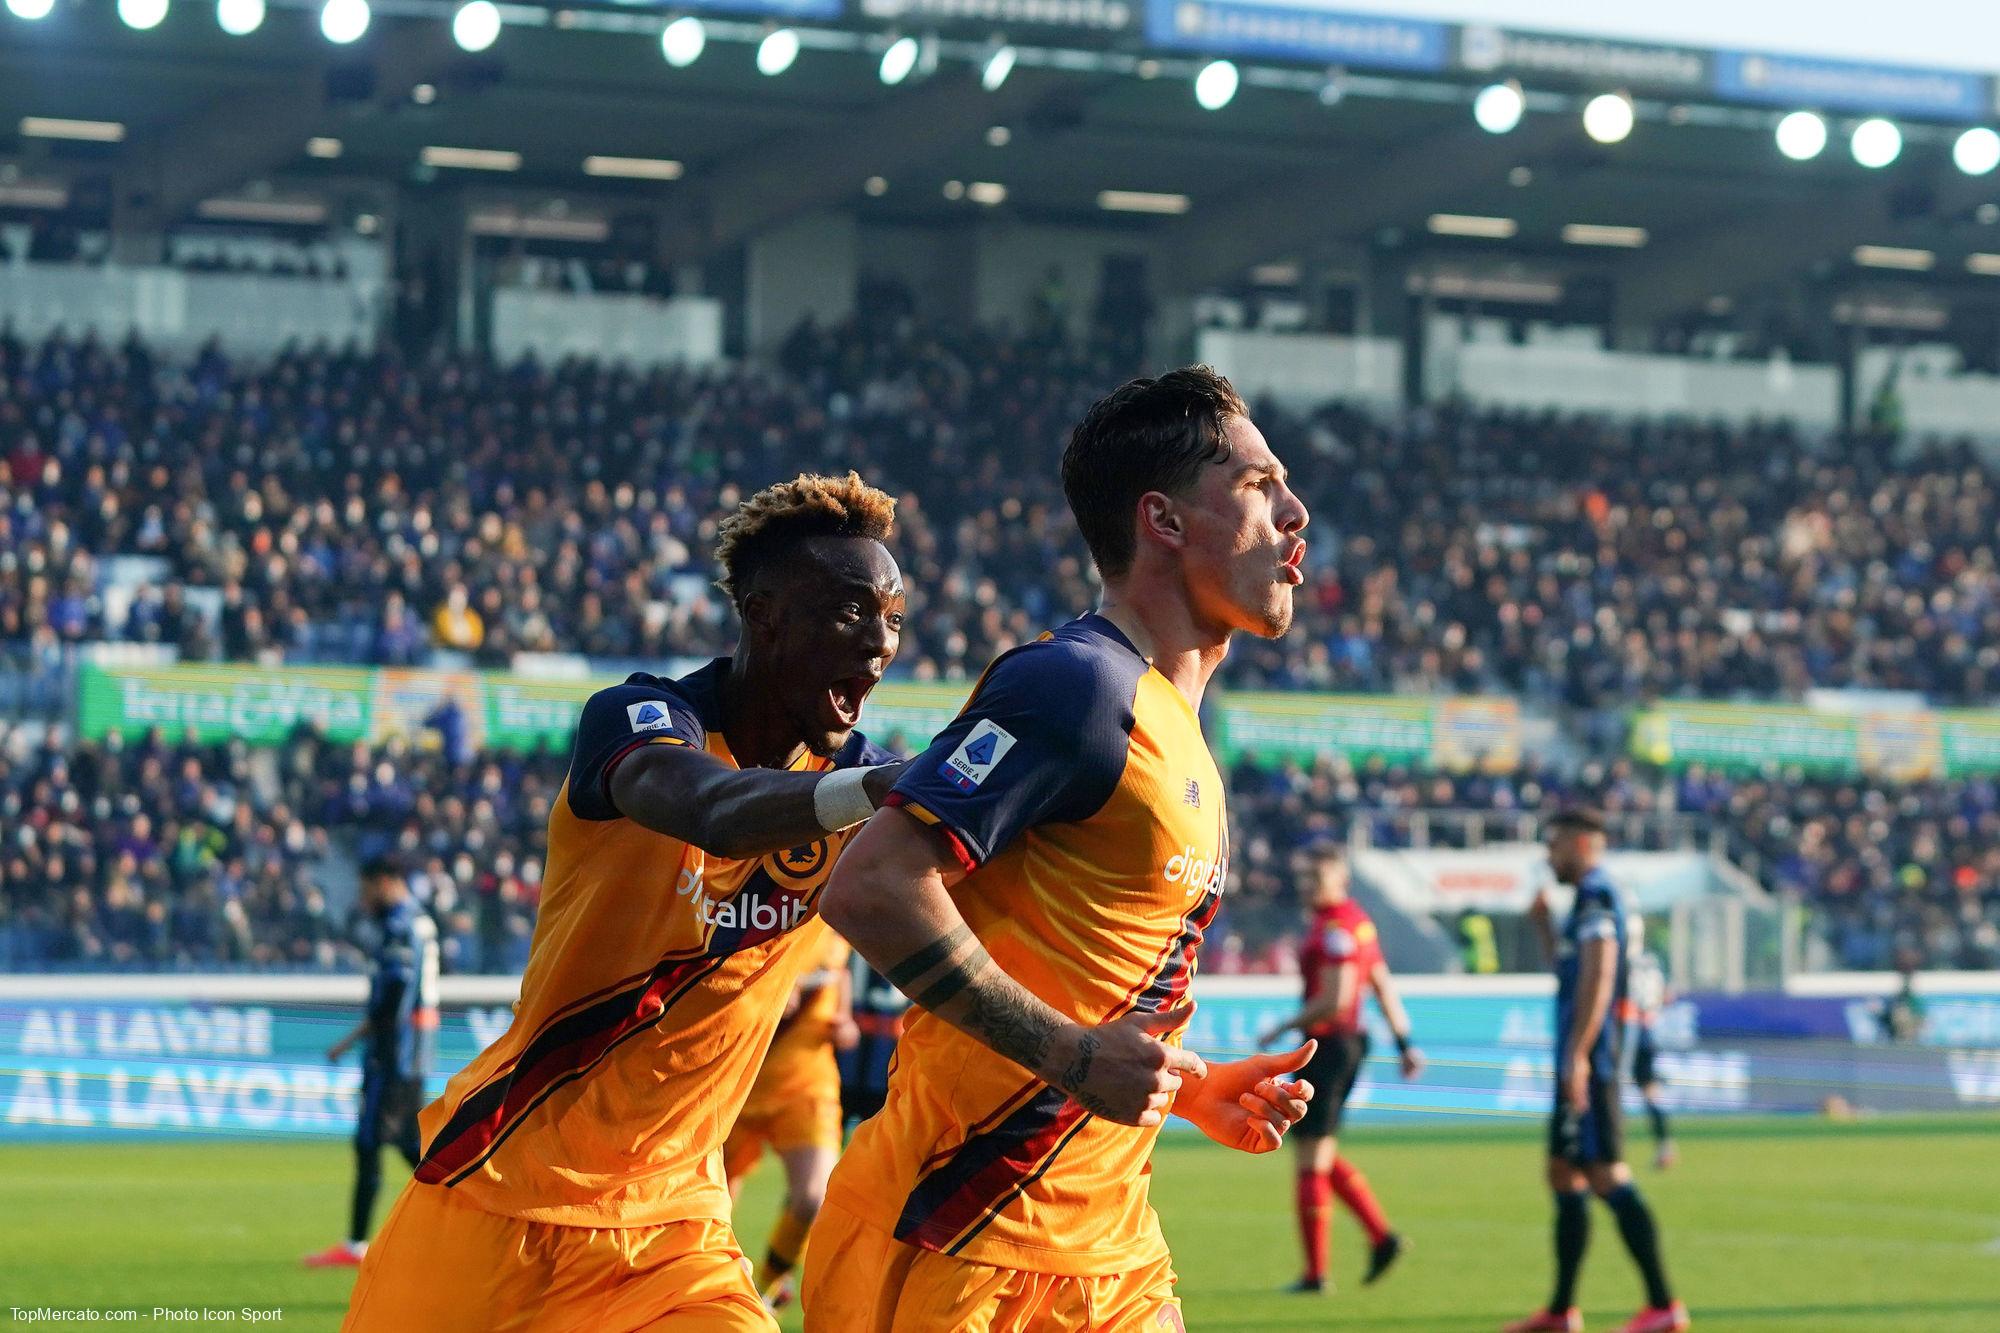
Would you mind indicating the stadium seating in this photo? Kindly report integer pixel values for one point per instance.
(345, 508)
(155, 855)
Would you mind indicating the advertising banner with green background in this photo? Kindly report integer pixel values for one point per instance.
(500, 711)
(1908, 745)
(1448, 732)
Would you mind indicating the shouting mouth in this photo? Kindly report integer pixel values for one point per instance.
(846, 695)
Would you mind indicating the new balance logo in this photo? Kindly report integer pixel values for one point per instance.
(1193, 794)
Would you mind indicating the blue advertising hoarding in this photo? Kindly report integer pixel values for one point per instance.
(89, 1068)
(1845, 85)
(1422, 37)
(1284, 31)
(824, 10)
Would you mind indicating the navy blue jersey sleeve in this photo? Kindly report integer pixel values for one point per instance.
(617, 721)
(860, 752)
(1044, 740)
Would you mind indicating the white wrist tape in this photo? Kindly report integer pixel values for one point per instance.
(840, 799)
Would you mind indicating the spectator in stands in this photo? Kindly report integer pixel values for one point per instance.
(457, 624)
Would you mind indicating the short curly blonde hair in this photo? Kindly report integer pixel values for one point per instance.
(780, 517)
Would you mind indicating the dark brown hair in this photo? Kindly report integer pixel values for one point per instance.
(1581, 817)
(1146, 435)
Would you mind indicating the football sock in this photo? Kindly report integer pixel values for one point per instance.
(1658, 1115)
(367, 1179)
(788, 1240)
(1572, 1239)
(1642, 1238)
(1315, 1201)
(1352, 1187)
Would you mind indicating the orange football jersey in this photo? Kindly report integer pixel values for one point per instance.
(655, 980)
(1078, 789)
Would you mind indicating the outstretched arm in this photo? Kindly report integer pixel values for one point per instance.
(689, 794)
(890, 898)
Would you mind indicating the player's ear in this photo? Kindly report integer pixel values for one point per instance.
(1160, 520)
(759, 610)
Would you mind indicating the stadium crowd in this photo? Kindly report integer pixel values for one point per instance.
(325, 507)
(163, 855)
(1888, 873)
(157, 854)
(328, 507)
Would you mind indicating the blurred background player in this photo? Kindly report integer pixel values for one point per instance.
(398, 1035)
(1340, 959)
(1586, 1149)
(1645, 998)
(794, 1109)
(879, 1011)
(572, 1172)
(1040, 889)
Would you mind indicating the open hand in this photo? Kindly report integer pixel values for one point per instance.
(1246, 1104)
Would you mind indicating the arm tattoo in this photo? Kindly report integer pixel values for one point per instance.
(1008, 1025)
(993, 1007)
(905, 974)
(1078, 1072)
(953, 980)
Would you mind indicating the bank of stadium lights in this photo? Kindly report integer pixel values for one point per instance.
(777, 51)
(1215, 87)
(907, 56)
(1608, 117)
(998, 64)
(898, 61)
(31, 10)
(476, 25)
(1876, 143)
(1977, 151)
(1802, 136)
(239, 18)
(683, 41)
(1498, 107)
(343, 22)
(142, 15)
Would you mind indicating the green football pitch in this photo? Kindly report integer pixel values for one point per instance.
(1878, 1225)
